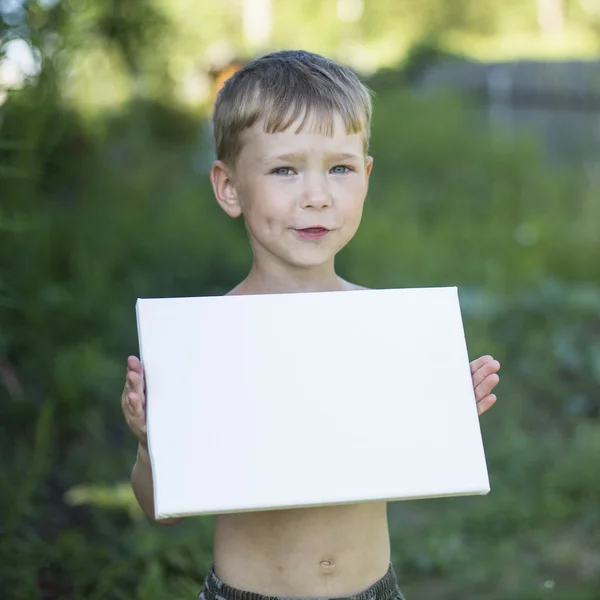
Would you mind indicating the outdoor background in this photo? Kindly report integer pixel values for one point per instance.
(486, 140)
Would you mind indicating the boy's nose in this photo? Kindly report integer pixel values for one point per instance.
(317, 196)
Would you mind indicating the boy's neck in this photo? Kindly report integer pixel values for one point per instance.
(317, 279)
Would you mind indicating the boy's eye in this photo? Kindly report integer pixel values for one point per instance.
(340, 170)
(283, 171)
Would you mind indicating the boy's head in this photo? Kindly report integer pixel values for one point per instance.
(279, 89)
(291, 133)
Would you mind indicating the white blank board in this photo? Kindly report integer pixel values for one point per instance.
(294, 400)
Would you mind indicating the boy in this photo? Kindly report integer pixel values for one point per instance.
(292, 132)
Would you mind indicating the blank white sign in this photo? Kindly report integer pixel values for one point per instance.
(295, 400)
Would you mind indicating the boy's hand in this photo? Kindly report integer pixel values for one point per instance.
(133, 401)
(485, 378)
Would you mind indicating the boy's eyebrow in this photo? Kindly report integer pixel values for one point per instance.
(288, 157)
(293, 156)
(344, 156)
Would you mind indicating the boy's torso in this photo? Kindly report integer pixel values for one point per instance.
(330, 551)
(316, 552)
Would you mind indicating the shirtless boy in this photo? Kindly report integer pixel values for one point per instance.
(292, 132)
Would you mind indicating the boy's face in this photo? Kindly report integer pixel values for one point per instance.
(301, 194)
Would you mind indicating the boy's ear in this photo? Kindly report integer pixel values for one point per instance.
(369, 166)
(224, 189)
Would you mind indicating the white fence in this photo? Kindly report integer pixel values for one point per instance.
(558, 102)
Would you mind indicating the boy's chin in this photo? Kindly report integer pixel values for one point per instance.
(311, 264)
(311, 260)
(303, 258)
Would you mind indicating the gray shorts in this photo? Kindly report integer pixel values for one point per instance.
(214, 589)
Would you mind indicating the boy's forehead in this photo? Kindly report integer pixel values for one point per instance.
(309, 135)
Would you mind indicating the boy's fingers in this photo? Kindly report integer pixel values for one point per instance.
(126, 389)
(135, 382)
(133, 379)
(136, 412)
(136, 406)
(486, 404)
(133, 363)
(486, 386)
(493, 366)
(479, 362)
(132, 403)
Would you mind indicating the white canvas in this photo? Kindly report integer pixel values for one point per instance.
(294, 400)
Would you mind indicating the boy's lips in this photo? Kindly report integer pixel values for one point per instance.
(312, 233)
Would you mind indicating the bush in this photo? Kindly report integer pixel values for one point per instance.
(119, 207)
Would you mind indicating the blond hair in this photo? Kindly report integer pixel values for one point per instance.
(280, 88)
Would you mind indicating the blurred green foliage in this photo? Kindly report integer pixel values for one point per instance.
(99, 209)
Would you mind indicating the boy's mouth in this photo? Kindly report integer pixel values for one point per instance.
(312, 233)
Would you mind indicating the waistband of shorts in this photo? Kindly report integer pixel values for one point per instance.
(215, 589)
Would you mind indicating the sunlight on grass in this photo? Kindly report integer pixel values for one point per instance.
(521, 45)
(118, 496)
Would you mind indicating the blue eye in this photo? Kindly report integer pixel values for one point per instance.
(284, 171)
(336, 170)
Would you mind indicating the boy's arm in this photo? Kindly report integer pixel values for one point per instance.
(133, 404)
(141, 481)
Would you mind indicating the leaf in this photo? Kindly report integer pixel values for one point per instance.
(13, 172)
